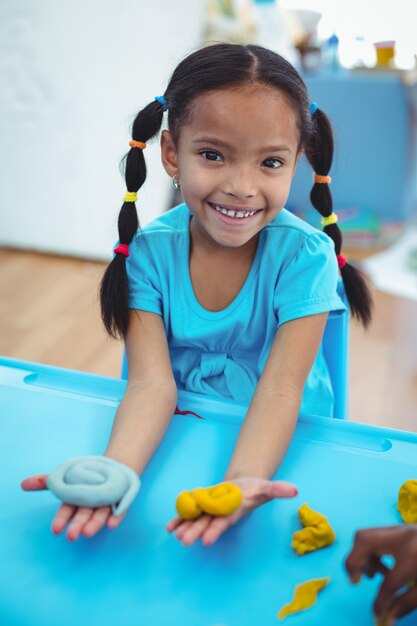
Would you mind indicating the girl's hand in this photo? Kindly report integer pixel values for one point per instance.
(81, 520)
(395, 597)
(255, 491)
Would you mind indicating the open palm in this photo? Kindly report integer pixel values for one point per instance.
(81, 520)
(255, 491)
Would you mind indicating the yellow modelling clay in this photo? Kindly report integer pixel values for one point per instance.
(407, 501)
(317, 532)
(220, 499)
(187, 506)
(305, 596)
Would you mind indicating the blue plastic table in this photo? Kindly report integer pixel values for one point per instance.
(139, 574)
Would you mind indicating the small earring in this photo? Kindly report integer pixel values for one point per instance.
(175, 182)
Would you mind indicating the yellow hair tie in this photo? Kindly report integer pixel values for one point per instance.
(130, 196)
(137, 144)
(331, 219)
(319, 178)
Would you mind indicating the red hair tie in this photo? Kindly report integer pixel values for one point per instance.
(122, 248)
(341, 260)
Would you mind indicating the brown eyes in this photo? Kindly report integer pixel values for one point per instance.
(210, 155)
(272, 163)
(213, 155)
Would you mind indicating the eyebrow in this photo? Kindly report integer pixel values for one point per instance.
(223, 144)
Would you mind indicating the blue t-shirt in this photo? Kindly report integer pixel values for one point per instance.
(223, 353)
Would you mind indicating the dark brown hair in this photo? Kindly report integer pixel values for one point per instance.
(217, 67)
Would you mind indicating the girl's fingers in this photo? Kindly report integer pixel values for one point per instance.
(174, 523)
(63, 516)
(280, 489)
(209, 529)
(85, 520)
(195, 530)
(35, 483)
(115, 520)
(97, 521)
(216, 528)
(182, 528)
(81, 517)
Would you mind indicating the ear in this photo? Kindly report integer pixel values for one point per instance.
(169, 154)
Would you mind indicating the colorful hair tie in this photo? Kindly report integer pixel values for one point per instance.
(130, 196)
(319, 178)
(330, 219)
(313, 107)
(162, 101)
(137, 144)
(123, 249)
(341, 260)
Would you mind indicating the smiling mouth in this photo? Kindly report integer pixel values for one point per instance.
(234, 213)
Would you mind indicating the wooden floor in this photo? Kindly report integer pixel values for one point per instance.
(49, 313)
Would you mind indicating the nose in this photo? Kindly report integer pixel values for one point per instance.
(240, 183)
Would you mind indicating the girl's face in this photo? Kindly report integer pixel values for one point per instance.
(235, 160)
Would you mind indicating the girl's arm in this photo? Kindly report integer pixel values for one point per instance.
(267, 429)
(151, 394)
(270, 421)
(140, 423)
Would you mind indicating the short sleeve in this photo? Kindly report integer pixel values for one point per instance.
(308, 284)
(143, 279)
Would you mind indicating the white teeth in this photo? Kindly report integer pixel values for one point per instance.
(231, 213)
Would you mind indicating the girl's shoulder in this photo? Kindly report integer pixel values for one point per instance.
(173, 221)
(165, 230)
(291, 233)
(286, 221)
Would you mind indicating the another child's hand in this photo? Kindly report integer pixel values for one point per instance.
(81, 520)
(392, 601)
(255, 491)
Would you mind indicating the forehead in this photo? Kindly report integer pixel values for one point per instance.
(250, 113)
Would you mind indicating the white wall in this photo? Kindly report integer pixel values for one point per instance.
(73, 73)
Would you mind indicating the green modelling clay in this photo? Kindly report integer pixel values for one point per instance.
(95, 481)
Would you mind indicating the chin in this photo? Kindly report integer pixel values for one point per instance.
(233, 243)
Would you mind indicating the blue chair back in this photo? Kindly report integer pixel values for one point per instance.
(336, 352)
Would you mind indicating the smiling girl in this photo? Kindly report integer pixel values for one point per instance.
(227, 294)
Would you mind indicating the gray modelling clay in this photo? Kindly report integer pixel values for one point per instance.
(95, 481)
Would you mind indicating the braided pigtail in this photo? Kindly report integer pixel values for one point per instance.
(319, 152)
(114, 292)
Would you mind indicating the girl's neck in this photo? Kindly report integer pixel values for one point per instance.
(218, 273)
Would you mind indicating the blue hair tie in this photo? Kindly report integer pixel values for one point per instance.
(162, 100)
(313, 107)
